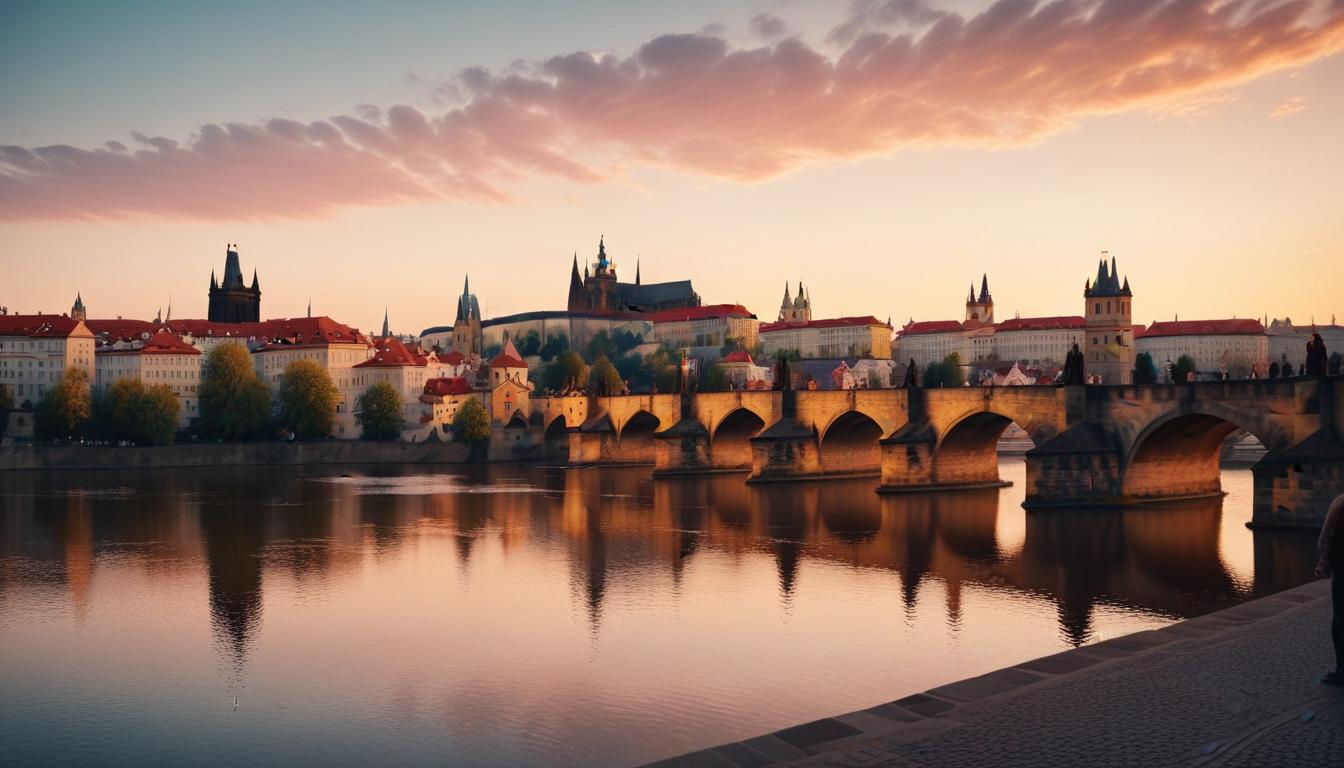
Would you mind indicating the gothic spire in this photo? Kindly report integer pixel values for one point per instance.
(255, 285)
(787, 298)
(1115, 275)
(385, 331)
(970, 295)
(636, 270)
(213, 283)
(310, 306)
(984, 288)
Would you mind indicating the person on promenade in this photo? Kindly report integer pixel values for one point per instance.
(1330, 561)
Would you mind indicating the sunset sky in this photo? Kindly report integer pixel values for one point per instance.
(884, 153)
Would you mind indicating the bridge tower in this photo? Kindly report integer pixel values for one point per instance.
(1109, 352)
(980, 309)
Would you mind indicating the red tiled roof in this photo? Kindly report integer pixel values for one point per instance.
(738, 356)
(122, 329)
(931, 326)
(453, 358)
(508, 357)
(457, 385)
(36, 326)
(835, 322)
(391, 352)
(161, 343)
(682, 314)
(1041, 323)
(1202, 328)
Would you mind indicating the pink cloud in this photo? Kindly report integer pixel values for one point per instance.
(907, 76)
(1291, 106)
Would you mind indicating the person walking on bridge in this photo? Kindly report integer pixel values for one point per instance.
(1330, 561)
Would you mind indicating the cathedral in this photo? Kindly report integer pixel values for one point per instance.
(797, 310)
(231, 301)
(600, 291)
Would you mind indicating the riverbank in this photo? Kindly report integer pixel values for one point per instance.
(1235, 687)
(63, 457)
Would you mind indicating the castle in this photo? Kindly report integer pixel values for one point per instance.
(231, 301)
(600, 290)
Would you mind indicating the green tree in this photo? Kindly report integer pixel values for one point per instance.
(716, 378)
(307, 400)
(625, 341)
(945, 373)
(471, 424)
(1145, 370)
(601, 345)
(132, 411)
(565, 368)
(235, 404)
(554, 345)
(7, 397)
(1185, 364)
(64, 410)
(492, 350)
(378, 410)
(530, 344)
(603, 378)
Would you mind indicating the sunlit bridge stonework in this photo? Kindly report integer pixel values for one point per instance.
(522, 458)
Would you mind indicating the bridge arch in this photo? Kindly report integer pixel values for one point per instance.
(730, 440)
(634, 438)
(1178, 453)
(967, 451)
(849, 445)
(555, 438)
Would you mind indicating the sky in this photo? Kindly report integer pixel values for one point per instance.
(885, 153)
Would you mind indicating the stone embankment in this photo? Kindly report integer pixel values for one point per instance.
(1239, 687)
(35, 457)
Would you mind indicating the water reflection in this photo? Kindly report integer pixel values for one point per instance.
(692, 596)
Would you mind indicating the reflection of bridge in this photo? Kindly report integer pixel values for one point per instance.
(1094, 444)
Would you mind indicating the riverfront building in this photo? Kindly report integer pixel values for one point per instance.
(159, 359)
(837, 337)
(35, 350)
(708, 326)
(1234, 348)
(406, 368)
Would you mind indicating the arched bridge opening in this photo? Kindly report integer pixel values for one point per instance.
(1178, 457)
(968, 453)
(730, 445)
(555, 440)
(849, 446)
(635, 443)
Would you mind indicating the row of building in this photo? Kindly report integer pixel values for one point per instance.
(990, 349)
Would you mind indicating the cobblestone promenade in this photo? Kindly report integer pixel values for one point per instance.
(1234, 688)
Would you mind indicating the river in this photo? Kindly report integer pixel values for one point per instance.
(546, 616)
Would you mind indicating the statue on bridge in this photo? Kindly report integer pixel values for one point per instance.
(1073, 368)
(911, 375)
(1317, 359)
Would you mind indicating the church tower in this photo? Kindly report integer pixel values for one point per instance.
(980, 309)
(77, 312)
(1109, 352)
(232, 301)
(798, 309)
(467, 324)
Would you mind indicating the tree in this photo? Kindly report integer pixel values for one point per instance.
(307, 400)
(554, 345)
(1336, 360)
(1185, 365)
(530, 344)
(945, 373)
(235, 404)
(132, 411)
(625, 341)
(603, 378)
(601, 345)
(471, 424)
(378, 411)
(566, 368)
(65, 409)
(716, 378)
(1145, 370)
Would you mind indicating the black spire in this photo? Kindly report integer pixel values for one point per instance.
(636, 270)
(984, 289)
(214, 285)
(255, 285)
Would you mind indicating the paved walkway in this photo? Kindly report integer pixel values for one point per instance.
(1234, 688)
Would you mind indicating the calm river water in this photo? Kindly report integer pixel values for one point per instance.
(547, 616)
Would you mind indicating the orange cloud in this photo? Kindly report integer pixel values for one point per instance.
(1014, 74)
(1290, 106)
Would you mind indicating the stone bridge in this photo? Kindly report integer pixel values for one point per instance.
(1094, 445)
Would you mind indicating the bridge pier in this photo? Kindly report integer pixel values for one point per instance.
(682, 449)
(786, 450)
(1294, 487)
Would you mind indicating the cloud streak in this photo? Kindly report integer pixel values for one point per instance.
(903, 75)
